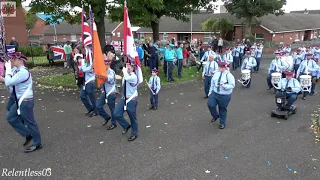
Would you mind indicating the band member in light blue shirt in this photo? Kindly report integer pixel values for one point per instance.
(222, 84)
(227, 57)
(287, 50)
(298, 57)
(249, 63)
(258, 56)
(154, 86)
(11, 100)
(209, 69)
(242, 47)
(236, 57)
(277, 65)
(207, 54)
(21, 117)
(129, 99)
(87, 90)
(308, 67)
(108, 95)
(292, 88)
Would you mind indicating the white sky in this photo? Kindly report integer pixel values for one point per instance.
(292, 5)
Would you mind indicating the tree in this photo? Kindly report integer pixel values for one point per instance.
(147, 13)
(249, 9)
(210, 25)
(30, 19)
(65, 9)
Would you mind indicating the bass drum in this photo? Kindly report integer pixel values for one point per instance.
(288, 61)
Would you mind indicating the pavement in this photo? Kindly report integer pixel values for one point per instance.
(176, 142)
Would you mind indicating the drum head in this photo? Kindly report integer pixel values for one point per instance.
(305, 77)
(276, 74)
(245, 71)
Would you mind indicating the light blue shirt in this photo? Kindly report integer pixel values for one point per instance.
(21, 79)
(154, 83)
(169, 55)
(110, 82)
(277, 65)
(179, 53)
(131, 84)
(210, 68)
(249, 61)
(10, 87)
(308, 65)
(316, 54)
(207, 54)
(218, 58)
(236, 51)
(242, 49)
(227, 58)
(227, 79)
(293, 83)
(156, 45)
(88, 71)
(288, 50)
(297, 58)
(258, 52)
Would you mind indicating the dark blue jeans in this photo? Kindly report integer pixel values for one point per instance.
(165, 68)
(132, 113)
(30, 126)
(170, 70)
(154, 99)
(207, 83)
(222, 102)
(11, 102)
(235, 63)
(152, 63)
(111, 104)
(258, 64)
(240, 59)
(179, 62)
(88, 92)
(292, 97)
(295, 68)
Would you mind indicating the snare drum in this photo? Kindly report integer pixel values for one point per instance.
(275, 77)
(245, 74)
(118, 81)
(305, 80)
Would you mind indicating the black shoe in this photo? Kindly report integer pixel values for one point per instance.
(126, 130)
(28, 140)
(112, 126)
(151, 107)
(93, 114)
(132, 138)
(106, 121)
(304, 98)
(89, 113)
(32, 148)
(206, 97)
(155, 108)
(214, 119)
(222, 126)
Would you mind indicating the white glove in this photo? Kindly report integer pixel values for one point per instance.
(7, 64)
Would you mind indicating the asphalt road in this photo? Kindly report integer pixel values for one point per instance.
(176, 142)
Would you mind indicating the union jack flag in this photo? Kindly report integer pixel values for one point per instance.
(11, 49)
(86, 37)
(58, 52)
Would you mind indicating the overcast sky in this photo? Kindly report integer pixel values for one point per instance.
(292, 5)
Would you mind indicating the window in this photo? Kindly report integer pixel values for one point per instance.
(206, 37)
(297, 35)
(259, 36)
(141, 35)
(165, 36)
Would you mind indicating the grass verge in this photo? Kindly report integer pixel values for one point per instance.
(40, 60)
(315, 127)
(68, 79)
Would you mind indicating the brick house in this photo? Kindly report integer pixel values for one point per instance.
(284, 29)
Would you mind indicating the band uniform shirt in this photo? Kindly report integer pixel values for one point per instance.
(210, 68)
(293, 84)
(10, 87)
(131, 84)
(170, 55)
(88, 71)
(227, 79)
(277, 65)
(297, 58)
(249, 61)
(227, 58)
(236, 51)
(316, 54)
(21, 79)
(154, 83)
(110, 82)
(218, 58)
(179, 53)
(207, 54)
(287, 50)
(242, 49)
(258, 53)
(308, 64)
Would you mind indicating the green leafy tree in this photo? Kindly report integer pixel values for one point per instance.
(249, 9)
(224, 26)
(147, 13)
(210, 25)
(65, 9)
(30, 19)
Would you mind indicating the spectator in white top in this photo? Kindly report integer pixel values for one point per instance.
(220, 45)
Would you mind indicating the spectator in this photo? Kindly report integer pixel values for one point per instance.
(15, 43)
(215, 44)
(220, 45)
(50, 54)
(68, 50)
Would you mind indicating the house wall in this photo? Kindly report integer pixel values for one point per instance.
(116, 31)
(39, 27)
(48, 38)
(240, 33)
(16, 27)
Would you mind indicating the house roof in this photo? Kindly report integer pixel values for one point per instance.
(306, 12)
(47, 16)
(275, 24)
(65, 28)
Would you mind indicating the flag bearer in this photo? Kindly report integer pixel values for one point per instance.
(154, 86)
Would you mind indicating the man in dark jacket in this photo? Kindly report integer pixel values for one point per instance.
(15, 43)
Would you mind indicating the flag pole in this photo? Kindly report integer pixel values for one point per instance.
(82, 37)
(91, 32)
(125, 29)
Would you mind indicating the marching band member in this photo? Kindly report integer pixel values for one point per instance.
(227, 57)
(130, 99)
(236, 57)
(257, 56)
(222, 84)
(316, 53)
(170, 56)
(21, 117)
(310, 67)
(249, 63)
(11, 100)
(242, 47)
(87, 89)
(287, 50)
(297, 59)
(207, 54)
(292, 87)
(154, 86)
(277, 65)
(108, 95)
(210, 68)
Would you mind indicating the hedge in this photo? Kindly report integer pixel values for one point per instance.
(32, 51)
